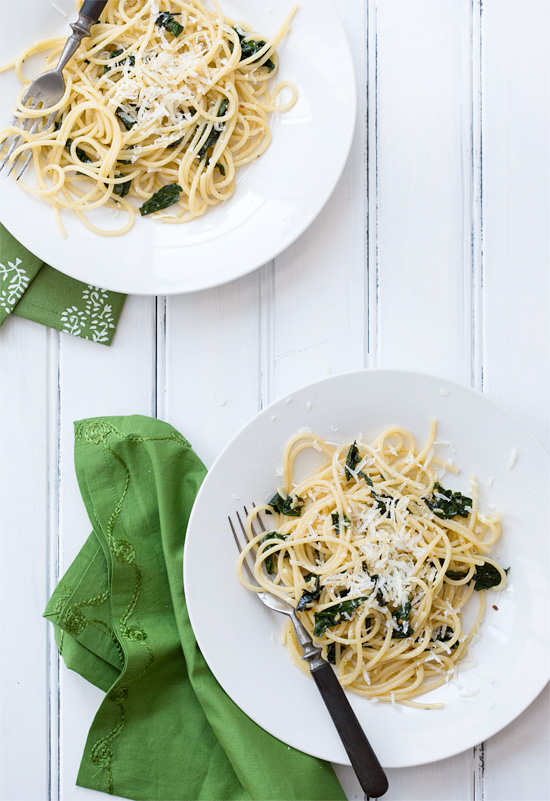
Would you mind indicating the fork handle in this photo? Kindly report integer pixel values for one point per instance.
(89, 13)
(93, 8)
(363, 760)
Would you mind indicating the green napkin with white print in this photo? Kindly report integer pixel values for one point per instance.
(32, 289)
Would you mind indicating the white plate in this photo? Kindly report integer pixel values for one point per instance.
(276, 199)
(240, 638)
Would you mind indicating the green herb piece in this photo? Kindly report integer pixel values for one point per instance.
(444, 634)
(214, 135)
(217, 165)
(167, 20)
(352, 460)
(249, 47)
(335, 517)
(126, 118)
(131, 60)
(447, 504)
(80, 154)
(381, 502)
(269, 561)
(401, 617)
(166, 196)
(487, 576)
(380, 600)
(331, 653)
(175, 144)
(333, 615)
(310, 595)
(122, 189)
(455, 575)
(289, 506)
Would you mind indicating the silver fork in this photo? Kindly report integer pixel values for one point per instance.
(363, 760)
(47, 89)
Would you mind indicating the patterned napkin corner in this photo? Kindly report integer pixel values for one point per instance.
(34, 290)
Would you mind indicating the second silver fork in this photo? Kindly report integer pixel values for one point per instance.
(363, 760)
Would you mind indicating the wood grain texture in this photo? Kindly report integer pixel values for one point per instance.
(27, 477)
(432, 254)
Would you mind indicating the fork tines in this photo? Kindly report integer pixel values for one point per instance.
(244, 534)
(22, 125)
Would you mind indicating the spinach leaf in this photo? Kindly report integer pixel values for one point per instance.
(401, 617)
(381, 502)
(126, 118)
(335, 517)
(352, 460)
(122, 189)
(269, 562)
(166, 196)
(333, 615)
(131, 60)
(167, 20)
(456, 575)
(331, 653)
(380, 600)
(487, 576)
(249, 47)
(447, 504)
(80, 154)
(289, 506)
(313, 594)
(444, 634)
(217, 166)
(214, 135)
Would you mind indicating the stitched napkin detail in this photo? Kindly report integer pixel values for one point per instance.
(165, 729)
(34, 290)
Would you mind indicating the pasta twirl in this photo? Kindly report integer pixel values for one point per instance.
(165, 93)
(379, 559)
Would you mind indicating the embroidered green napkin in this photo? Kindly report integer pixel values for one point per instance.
(165, 730)
(29, 288)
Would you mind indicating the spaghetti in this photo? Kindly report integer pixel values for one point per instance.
(163, 103)
(379, 559)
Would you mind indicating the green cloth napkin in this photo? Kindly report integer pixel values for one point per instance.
(165, 729)
(34, 290)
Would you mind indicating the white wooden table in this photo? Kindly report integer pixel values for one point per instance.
(431, 255)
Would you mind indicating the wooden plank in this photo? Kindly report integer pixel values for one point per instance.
(516, 298)
(95, 381)
(421, 228)
(319, 293)
(28, 357)
(424, 184)
(516, 199)
(210, 384)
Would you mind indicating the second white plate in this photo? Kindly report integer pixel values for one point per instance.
(276, 198)
(240, 638)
